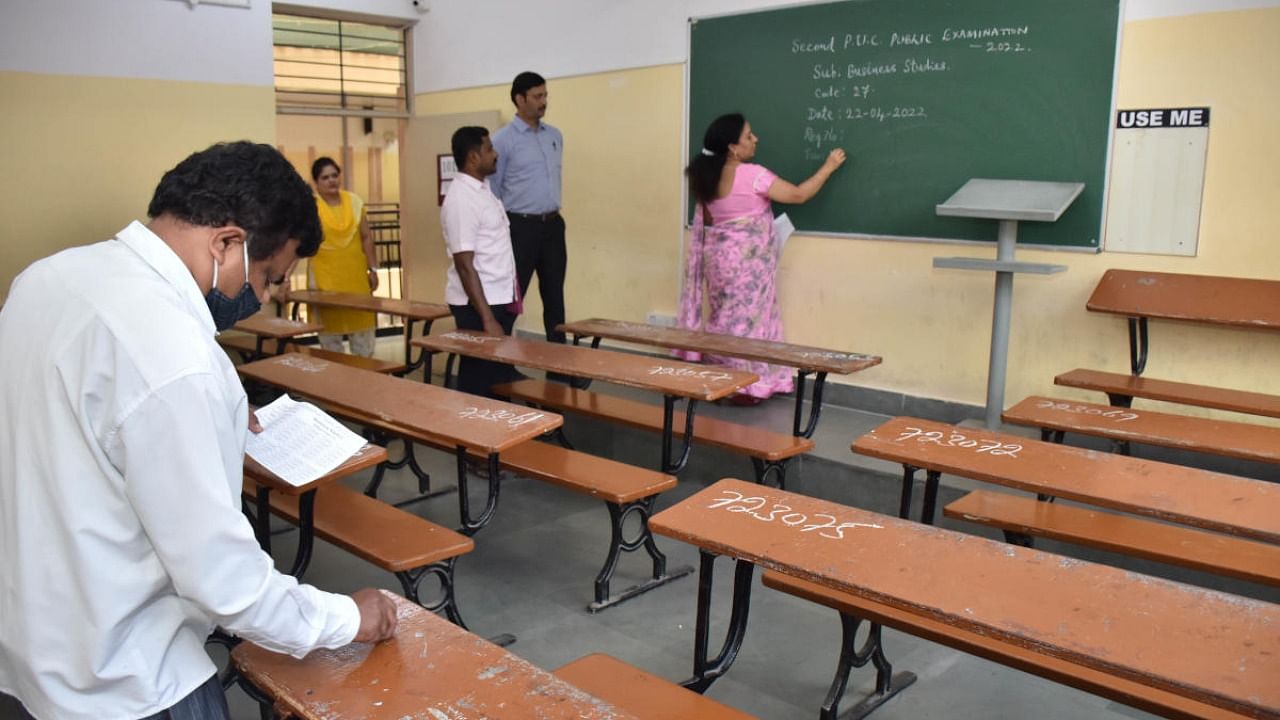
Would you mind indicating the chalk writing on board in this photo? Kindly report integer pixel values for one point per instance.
(1113, 413)
(751, 507)
(960, 440)
(512, 419)
(478, 339)
(710, 375)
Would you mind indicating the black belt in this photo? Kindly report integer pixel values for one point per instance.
(536, 217)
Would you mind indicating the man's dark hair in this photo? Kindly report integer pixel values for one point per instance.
(525, 82)
(245, 184)
(466, 139)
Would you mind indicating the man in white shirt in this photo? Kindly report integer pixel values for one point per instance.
(481, 283)
(122, 434)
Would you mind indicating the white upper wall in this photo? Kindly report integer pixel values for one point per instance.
(155, 39)
(457, 44)
(469, 43)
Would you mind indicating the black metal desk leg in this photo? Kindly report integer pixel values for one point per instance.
(908, 480)
(815, 405)
(262, 519)
(706, 670)
(619, 544)
(931, 478)
(668, 434)
(1137, 345)
(852, 656)
(470, 525)
(306, 533)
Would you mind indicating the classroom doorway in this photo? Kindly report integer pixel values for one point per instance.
(342, 92)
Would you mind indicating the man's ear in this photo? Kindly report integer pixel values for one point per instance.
(225, 238)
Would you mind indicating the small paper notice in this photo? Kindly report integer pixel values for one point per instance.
(300, 442)
(782, 229)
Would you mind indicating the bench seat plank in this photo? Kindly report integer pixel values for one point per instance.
(1241, 302)
(592, 475)
(744, 439)
(247, 344)
(381, 534)
(431, 668)
(646, 695)
(1172, 544)
(1199, 498)
(1027, 660)
(1240, 401)
(800, 357)
(1215, 648)
(1244, 441)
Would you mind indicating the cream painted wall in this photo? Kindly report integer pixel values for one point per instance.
(622, 187)
(622, 199)
(85, 153)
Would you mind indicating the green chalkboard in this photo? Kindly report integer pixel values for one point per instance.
(923, 95)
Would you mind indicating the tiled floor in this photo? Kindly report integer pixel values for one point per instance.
(531, 575)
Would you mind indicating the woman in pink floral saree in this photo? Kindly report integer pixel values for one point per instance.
(732, 251)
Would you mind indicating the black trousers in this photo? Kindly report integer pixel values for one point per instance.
(476, 376)
(539, 247)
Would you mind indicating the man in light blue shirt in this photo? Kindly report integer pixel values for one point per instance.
(527, 182)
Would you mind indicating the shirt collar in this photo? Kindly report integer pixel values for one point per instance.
(523, 126)
(471, 182)
(156, 253)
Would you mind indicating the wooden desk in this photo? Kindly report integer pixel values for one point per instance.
(1174, 493)
(1139, 295)
(674, 379)
(1215, 648)
(411, 310)
(414, 411)
(803, 358)
(266, 326)
(430, 669)
(269, 482)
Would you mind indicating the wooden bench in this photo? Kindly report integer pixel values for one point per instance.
(399, 542)
(1183, 651)
(643, 694)
(1139, 296)
(1171, 544)
(430, 670)
(806, 360)
(247, 346)
(497, 432)
(1121, 389)
(673, 379)
(769, 451)
(1027, 660)
(412, 311)
(1224, 438)
(1172, 493)
(264, 326)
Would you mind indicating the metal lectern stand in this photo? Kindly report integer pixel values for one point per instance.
(1007, 201)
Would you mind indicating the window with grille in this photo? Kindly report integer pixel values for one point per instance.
(337, 67)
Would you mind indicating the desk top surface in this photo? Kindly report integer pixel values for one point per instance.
(1217, 648)
(1190, 496)
(801, 357)
(431, 669)
(1242, 302)
(391, 306)
(670, 377)
(268, 325)
(365, 457)
(443, 416)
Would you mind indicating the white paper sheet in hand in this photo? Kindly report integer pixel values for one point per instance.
(782, 229)
(299, 441)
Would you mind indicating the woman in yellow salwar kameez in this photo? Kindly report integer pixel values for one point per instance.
(345, 262)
